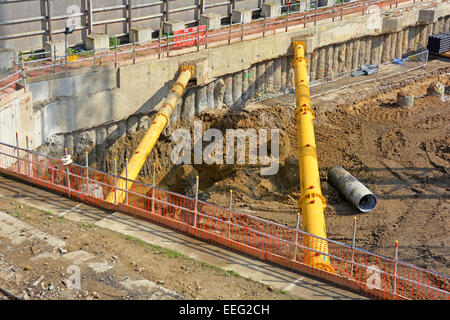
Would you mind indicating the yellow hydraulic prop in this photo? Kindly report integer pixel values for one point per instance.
(311, 203)
(151, 136)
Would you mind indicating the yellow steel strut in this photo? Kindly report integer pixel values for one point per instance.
(151, 136)
(311, 203)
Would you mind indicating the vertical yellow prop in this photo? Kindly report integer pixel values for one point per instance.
(311, 203)
(151, 136)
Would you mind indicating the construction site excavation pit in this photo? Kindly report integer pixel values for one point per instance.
(400, 154)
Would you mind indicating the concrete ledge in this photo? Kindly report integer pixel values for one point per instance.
(6, 58)
(270, 9)
(56, 47)
(173, 25)
(392, 24)
(427, 16)
(141, 34)
(241, 16)
(211, 20)
(97, 41)
(300, 5)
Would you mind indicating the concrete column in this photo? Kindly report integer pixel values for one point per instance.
(348, 55)
(320, 73)
(355, 55)
(447, 23)
(219, 92)
(210, 95)
(291, 78)
(429, 30)
(188, 106)
(228, 94)
(377, 46)
(277, 74)
(414, 38)
(341, 58)
(68, 143)
(260, 78)
(335, 60)
(245, 91)
(308, 57)
(393, 45)
(435, 27)
(399, 45)
(251, 81)
(362, 51)
(329, 53)
(440, 26)
(405, 46)
(202, 99)
(175, 116)
(269, 76)
(237, 89)
(385, 48)
(313, 69)
(368, 49)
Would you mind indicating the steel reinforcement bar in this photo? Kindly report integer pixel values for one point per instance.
(367, 273)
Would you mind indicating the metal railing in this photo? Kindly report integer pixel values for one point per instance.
(46, 63)
(368, 273)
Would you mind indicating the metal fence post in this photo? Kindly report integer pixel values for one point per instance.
(305, 19)
(242, 30)
(296, 236)
(54, 58)
(196, 202)
(229, 213)
(153, 189)
(198, 37)
(87, 172)
(353, 245)
(159, 45)
(115, 181)
(315, 12)
(28, 156)
(134, 48)
(68, 173)
(229, 32)
(94, 60)
(264, 26)
(17, 153)
(334, 9)
(168, 45)
(126, 179)
(287, 18)
(342, 8)
(24, 77)
(206, 36)
(395, 267)
(115, 52)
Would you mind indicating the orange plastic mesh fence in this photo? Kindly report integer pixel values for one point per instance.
(370, 274)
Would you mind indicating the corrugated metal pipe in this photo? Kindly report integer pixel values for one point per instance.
(352, 189)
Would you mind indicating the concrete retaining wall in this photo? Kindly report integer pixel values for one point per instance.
(95, 108)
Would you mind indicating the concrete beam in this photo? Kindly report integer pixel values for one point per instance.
(241, 16)
(211, 20)
(6, 58)
(173, 25)
(97, 41)
(142, 34)
(270, 9)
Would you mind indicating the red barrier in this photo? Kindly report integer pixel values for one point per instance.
(189, 37)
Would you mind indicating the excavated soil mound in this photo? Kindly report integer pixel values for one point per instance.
(400, 154)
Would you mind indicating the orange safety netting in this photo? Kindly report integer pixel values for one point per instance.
(370, 274)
